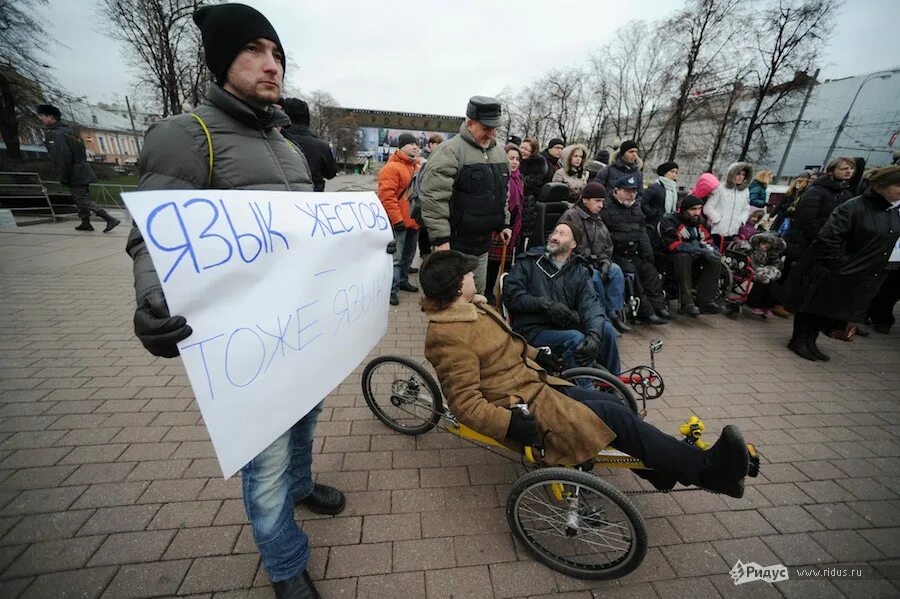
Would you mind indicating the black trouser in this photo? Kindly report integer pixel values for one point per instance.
(424, 241)
(707, 279)
(763, 296)
(881, 309)
(81, 194)
(648, 285)
(654, 448)
(810, 325)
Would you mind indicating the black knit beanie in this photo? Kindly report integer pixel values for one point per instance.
(690, 201)
(407, 138)
(49, 110)
(665, 167)
(556, 141)
(627, 145)
(297, 110)
(226, 29)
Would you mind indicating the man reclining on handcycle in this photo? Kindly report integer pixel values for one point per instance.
(485, 369)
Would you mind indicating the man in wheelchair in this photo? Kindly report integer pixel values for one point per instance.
(688, 248)
(486, 371)
(552, 301)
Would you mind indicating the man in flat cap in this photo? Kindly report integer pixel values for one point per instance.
(246, 57)
(69, 159)
(465, 187)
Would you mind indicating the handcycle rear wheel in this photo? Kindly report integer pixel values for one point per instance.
(577, 523)
(402, 394)
(602, 380)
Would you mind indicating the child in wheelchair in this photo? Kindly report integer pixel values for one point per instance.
(764, 252)
(487, 373)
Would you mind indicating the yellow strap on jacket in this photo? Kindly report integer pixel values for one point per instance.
(208, 143)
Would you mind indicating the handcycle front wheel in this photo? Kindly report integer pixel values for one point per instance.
(601, 380)
(577, 523)
(402, 394)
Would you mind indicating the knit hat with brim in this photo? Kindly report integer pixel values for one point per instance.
(226, 29)
(442, 270)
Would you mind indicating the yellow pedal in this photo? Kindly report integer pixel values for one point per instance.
(693, 431)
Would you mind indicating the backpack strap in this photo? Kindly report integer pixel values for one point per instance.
(208, 144)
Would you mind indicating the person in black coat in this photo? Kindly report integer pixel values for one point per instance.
(632, 250)
(818, 201)
(318, 153)
(627, 163)
(843, 269)
(535, 172)
(69, 157)
(552, 302)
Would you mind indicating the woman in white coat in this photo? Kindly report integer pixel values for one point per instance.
(728, 205)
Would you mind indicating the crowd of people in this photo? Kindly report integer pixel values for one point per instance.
(623, 241)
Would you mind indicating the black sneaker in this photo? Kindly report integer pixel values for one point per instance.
(408, 287)
(394, 299)
(690, 310)
(299, 587)
(85, 226)
(111, 224)
(651, 319)
(711, 309)
(620, 325)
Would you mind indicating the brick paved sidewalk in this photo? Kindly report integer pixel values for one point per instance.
(109, 486)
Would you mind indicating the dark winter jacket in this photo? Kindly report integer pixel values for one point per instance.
(843, 269)
(677, 236)
(554, 163)
(627, 228)
(608, 175)
(653, 204)
(318, 154)
(534, 280)
(68, 155)
(249, 153)
(465, 206)
(535, 172)
(816, 204)
(597, 246)
(757, 194)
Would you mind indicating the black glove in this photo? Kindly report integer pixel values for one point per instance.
(604, 268)
(545, 358)
(159, 331)
(391, 247)
(587, 350)
(562, 315)
(523, 428)
(399, 226)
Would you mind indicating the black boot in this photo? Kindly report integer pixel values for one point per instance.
(726, 464)
(799, 344)
(324, 500)
(811, 344)
(619, 324)
(111, 221)
(298, 587)
(651, 318)
(85, 224)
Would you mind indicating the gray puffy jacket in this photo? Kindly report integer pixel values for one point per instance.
(248, 153)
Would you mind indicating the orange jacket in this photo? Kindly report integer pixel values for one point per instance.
(393, 179)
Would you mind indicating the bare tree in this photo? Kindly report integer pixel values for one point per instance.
(565, 96)
(702, 31)
(727, 121)
(163, 44)
(788, 38)
(22, 39)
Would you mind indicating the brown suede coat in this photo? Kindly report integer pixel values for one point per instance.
(484, 368)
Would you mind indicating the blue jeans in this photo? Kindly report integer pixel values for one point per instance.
(563, 344)
(611, 291)
(407, 241)
(272, 481)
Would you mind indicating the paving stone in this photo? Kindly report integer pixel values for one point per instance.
(836, 516)
(408, 585)
(745, 524)
(94, 454)
(695, 559)
(88, 582)
(878, 513)
(111, 494)
(797, 549)
(92, 474)
(45, 527)
(517, 579)
(54, 556)
(885, 540)
(391, 527)
(790, 518)
(165, 491)
(147, 580)
(472, 582)
(44, 456)
(159, 469)
(35, 501)
(132, 547)
(463, 522)
(187, 514)
(423, 554)
(699, 527)
(484, 549)
(203, 542)
(333, 531)
(359, 560)
(119, 519)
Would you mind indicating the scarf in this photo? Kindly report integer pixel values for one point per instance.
(671, 188)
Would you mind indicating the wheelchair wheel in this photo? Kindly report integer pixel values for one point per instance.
(725, 284)
(602, 380)
(402, 394)
(577, 523)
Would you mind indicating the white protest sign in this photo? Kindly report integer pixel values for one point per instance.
(895, 255)
(286, 293)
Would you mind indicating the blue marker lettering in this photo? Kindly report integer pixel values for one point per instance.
(239, 236)
(261, 360)
(212, 394)
(207, 235)
(186, 248)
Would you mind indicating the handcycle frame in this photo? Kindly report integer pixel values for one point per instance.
(578, 518)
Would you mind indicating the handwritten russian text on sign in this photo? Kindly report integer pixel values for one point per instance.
(286, 293)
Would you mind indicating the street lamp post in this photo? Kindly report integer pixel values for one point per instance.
(840, 129)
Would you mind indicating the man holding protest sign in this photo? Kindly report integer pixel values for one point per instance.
(232, 142)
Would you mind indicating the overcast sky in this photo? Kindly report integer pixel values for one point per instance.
(413, 56)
